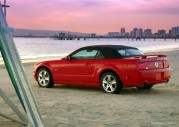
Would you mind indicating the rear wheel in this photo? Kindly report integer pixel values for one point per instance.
(44, 78)
(110, 83)
(144, 87)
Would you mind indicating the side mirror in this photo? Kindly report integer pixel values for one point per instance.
(68, 58)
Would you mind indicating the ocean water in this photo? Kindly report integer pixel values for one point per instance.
(46, 48)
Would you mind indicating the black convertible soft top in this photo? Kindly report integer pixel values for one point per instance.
(109, 51)
(118, 47)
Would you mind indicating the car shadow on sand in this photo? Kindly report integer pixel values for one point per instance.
(125, 91)
(133, 90)
(71, 87)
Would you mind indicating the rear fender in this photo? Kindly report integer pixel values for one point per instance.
(108, 67)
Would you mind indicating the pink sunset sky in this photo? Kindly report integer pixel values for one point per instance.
(93, 16)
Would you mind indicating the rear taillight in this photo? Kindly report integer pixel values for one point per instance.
(165, 64)
(142, 66)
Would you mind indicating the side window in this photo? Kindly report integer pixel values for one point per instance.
(123, 53)
(85, 54)
(130, 52)
(99, 55)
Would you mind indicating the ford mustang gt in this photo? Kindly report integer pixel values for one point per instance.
(109, 67)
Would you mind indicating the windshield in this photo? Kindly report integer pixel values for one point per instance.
(130, 52)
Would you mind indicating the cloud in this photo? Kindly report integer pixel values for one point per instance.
(88, 14)
(93, 7)
(158, 7)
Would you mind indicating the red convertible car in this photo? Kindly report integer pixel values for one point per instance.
(110, 67)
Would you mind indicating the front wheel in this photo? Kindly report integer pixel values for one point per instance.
(44, 78)
(144, 87)
(110, 83)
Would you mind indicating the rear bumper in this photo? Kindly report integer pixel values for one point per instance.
(155, 76)
(152, 77)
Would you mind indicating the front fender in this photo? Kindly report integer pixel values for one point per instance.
(37, 66)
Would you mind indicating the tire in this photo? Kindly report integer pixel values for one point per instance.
(44, 78)
(144, 87)
(110, 83)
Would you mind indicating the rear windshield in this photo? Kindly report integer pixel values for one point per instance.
(130, 52)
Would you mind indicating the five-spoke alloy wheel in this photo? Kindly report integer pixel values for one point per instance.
(44, 78)
(110, 83)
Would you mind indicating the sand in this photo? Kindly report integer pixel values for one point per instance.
(64, 106)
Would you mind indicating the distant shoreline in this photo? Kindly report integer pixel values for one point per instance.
(98, 37)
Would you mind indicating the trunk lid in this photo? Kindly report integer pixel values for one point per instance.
(148, 62)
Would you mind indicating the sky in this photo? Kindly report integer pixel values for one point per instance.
(93, 16)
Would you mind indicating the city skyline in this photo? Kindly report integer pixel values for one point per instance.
(140, 32)
(134, 33)
(91, 16)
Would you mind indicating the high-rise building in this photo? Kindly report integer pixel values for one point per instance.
(123, 31)
(139, 33)
(175, 31)
(131, 34)
(170, 33)
(161, 33)
(147, 33)
(134, 32)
